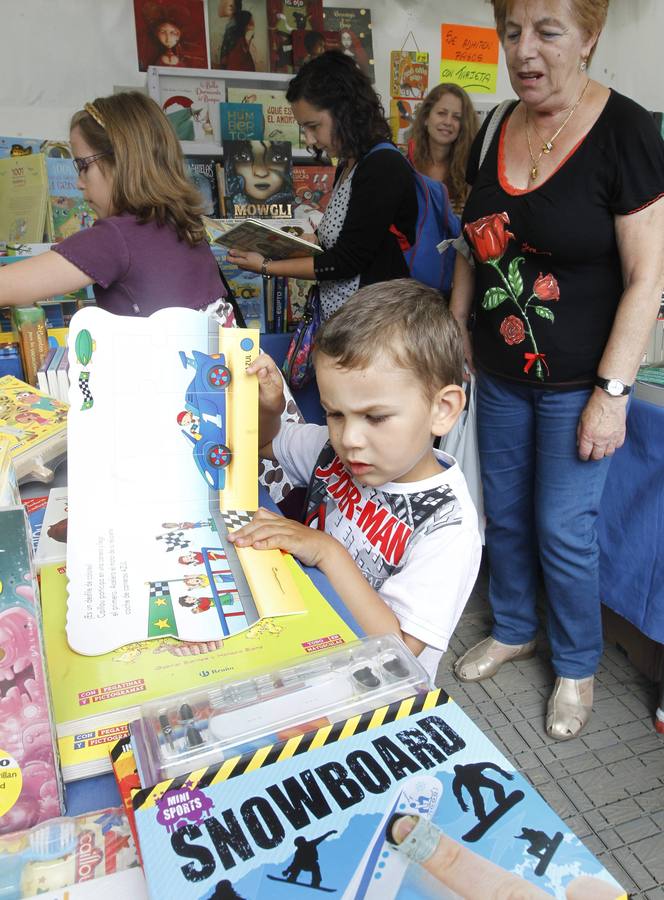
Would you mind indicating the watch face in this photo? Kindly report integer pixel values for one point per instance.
(615, 387)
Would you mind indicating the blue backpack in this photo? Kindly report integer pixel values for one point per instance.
(436, 222)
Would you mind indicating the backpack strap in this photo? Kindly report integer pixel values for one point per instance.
(496, 117)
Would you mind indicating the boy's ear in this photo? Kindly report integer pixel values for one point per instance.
(447, 405)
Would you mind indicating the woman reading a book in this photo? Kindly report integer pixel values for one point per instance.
(148, 248)
(444, 128)
(374, 192)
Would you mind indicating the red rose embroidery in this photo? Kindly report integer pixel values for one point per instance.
(512, 330)
(546, 288)
(489, 236)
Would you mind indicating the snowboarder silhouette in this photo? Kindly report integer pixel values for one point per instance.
(224, 891)
(305, 859)
(472, 778)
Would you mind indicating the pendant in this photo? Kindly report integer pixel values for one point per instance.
(547, 148)
(534, 173)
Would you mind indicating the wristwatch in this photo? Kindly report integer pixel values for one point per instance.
(614, 387)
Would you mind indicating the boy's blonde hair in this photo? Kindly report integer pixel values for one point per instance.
(144, 160)
(406, 321)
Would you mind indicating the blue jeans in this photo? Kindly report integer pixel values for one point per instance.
(541, 503)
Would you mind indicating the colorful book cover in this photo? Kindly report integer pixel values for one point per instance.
(354, 28)
(19, 146)
(158, 562)
(402, 119)
(202, 172)
(95, 696)
(409, 74)
(34, 424)
(312, 187)
(191, 106)
(241, 121)
(259, 179)
(30, 788)
(313, 812)
(247, 288)
(52, 547)
(69, 210)
(284, 17)
(74, 853)
(308, 44)
(238, 35)
(35, 508)
(23, 198)
(279, 122)
(170, 34)
(29, 324)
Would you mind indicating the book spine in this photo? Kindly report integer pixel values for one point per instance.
(279, 303)
(30, 326)
(42, 378)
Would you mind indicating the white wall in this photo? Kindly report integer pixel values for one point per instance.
(57, 54)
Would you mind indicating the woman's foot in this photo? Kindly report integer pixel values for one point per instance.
(484, 659)
(570, 707)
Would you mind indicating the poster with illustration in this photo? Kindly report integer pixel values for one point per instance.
(170, 33)
(238, 35)
(355, 38)
(162, 436)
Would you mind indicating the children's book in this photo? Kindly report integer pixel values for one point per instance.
(91, 855)
(30, 785)
(180, 468)
(95, 696)
(63, 377)
(247, 288)
(308, 44)
(238, 35)
(202, 172)
(191, 105)
(171, 34)
(241, 121)
(52, 372)
(23, 198)
(259, 179)
(354, 28)
(35, 425)
(52, 546)
(312, 812)
(69, 210)
(253, 234)
(284, 17)
(19, 146)
(312, 187)
(409, 74)
(402, 119)
(9, 493)
(42, 371)
(279, 122)
(29, 325)
(35, 508)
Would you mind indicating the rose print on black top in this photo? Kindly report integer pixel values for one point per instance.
(489, 238)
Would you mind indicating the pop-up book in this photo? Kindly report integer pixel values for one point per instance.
(162, 462)
(30, 787)
(312, 813)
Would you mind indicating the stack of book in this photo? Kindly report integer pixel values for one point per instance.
(53, 374)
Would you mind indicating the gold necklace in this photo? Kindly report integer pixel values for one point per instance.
(547, 146)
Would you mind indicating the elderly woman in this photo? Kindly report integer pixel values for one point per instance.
(565, 221)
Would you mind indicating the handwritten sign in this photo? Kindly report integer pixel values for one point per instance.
(469, 57)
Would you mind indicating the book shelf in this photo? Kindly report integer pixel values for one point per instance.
(162, 80)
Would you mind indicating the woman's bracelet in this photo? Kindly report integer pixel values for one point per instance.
(264, 271)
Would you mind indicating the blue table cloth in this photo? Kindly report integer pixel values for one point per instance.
(631, 524)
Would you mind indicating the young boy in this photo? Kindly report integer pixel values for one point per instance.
(389, 519)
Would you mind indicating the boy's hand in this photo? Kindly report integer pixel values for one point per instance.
(270, 384)
(269, 531)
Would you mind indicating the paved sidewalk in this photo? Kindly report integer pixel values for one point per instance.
(607, 784)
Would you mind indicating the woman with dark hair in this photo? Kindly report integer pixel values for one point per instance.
(374, 192)
(444, 128)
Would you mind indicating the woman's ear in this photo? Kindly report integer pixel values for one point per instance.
(446, 407)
